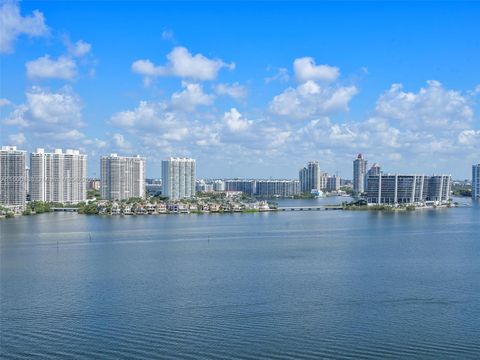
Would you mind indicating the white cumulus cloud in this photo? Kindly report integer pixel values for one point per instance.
(145, 67)
(183, 64)
(67, 135)
(168, 35)
(281, 75)
(148, 116)
(45, 110)
(306, 69)
(13, 24)
(80, 48)
(469, 137)
(234, 90)
(431, 107)
(311, 99)
(176, 134)
(190, 97)
(45, 68)
(4, 102)
(54, 108)
(48, 115)
(145, 115)
(17, 139)
(234, 121)
(120, 142)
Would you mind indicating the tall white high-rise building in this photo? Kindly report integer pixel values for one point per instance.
(309, 177)
(178, 178)
(476, 181)
(12, 176)
(58, 176)
(359, 174)
(122, 177)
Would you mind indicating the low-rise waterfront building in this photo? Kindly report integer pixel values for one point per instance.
(248, 187)
(277, 188)
(396, 189)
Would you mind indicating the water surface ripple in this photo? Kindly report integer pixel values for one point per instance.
(289, 285)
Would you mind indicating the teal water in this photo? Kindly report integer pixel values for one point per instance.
(287, 285)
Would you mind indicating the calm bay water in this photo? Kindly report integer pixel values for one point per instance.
(320, 284)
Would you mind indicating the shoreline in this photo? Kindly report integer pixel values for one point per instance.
(340, 207)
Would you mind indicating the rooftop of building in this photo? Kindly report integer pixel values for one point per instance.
(179, 159)
(11, 148)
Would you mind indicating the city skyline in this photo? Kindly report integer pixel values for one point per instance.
(239, 179)
(319, 175)
(408, 100)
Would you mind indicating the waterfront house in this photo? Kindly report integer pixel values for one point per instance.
(214, 207)
(161, 208)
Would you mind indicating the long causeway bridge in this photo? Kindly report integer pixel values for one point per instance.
(65, 209)
(310, 208)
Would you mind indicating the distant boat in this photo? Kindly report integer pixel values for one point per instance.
(263, 206)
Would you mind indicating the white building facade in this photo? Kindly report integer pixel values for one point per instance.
(248, 187)
(396, 189)
(219, 185)
(122, 177)
(323, 180)
(359, 175)
(277, 188)
(178, 178)
(309, 177)
(12, 177)
(58, 176)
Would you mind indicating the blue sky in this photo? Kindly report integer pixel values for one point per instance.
(250, 89)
